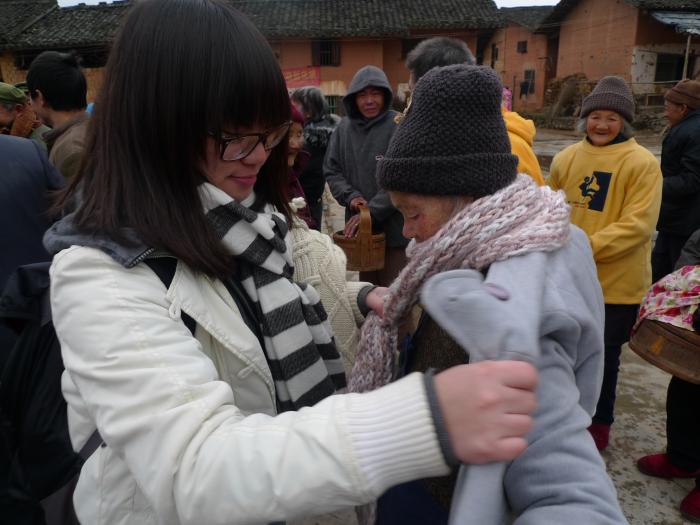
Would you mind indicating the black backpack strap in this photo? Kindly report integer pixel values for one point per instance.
(164, 268)
(94, 441)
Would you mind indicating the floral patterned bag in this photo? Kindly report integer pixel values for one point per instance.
(674, 299)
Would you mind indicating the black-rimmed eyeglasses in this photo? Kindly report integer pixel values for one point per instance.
(238, 147)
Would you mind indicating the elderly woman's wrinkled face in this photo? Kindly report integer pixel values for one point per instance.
(424, 215)
(602, 126)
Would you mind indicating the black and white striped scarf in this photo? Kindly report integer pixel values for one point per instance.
(298, 339)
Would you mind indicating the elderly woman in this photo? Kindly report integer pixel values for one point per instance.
(500, 273)
(613, 186)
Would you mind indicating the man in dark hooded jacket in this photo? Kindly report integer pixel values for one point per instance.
(350, 165)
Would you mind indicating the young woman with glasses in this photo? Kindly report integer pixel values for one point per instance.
(216, 395)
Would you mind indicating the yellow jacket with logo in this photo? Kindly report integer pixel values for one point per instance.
(615, 195)
(521, 133)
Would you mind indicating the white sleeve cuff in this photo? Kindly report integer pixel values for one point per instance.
(393, 435)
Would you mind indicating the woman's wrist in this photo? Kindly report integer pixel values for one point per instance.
(362, 299)
(438, 421)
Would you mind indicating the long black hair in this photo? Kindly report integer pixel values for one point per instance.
(179, 71)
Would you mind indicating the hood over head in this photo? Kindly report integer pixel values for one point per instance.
(522, 127)
(364, 78)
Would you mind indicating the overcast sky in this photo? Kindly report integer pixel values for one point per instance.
(499, 3)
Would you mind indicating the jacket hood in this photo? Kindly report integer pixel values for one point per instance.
(364, 78)
(524, 128)
(64, 234)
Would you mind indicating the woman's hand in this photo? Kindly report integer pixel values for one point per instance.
(487, 408)
(375, 300)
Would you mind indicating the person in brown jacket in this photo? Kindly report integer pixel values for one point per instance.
(58, 89)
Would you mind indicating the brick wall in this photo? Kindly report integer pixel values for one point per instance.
(8, 73)
(511, 65)
(356, 53)
(598, 38)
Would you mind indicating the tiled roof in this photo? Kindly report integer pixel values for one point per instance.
(337, 18)
(528, 17)
(95, 25)
(564, 6)
(16, 14)
(68, 27)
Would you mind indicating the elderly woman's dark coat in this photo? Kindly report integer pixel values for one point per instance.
(680, 164)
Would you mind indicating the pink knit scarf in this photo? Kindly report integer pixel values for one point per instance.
(516, 220)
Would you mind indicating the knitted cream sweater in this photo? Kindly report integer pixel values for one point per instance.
(320, 263)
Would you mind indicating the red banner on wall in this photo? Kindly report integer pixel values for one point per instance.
(297, 77)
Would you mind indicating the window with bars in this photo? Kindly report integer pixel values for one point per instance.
(334, 104)
(325, 53)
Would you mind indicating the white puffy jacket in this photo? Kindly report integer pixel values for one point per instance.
(189, 423)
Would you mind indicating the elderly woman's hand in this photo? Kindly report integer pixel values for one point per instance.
(375, 300)
(357, 202)
(487, 408)
(352, 226)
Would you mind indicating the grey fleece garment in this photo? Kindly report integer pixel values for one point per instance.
(63, 234)
(546, 308)
(351, 159)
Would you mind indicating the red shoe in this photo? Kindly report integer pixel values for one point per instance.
(601, 434)
(658, 465)
(690, 506)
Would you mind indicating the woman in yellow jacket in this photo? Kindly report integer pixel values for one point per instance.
(613, 186)
(521, 132)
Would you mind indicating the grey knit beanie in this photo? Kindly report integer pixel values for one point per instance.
(613, 94)
(453, 140)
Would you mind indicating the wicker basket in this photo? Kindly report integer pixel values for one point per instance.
(672, 349)
(365, 252)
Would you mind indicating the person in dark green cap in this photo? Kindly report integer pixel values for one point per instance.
(17, 117)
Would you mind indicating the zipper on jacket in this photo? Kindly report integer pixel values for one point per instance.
(141, 257)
